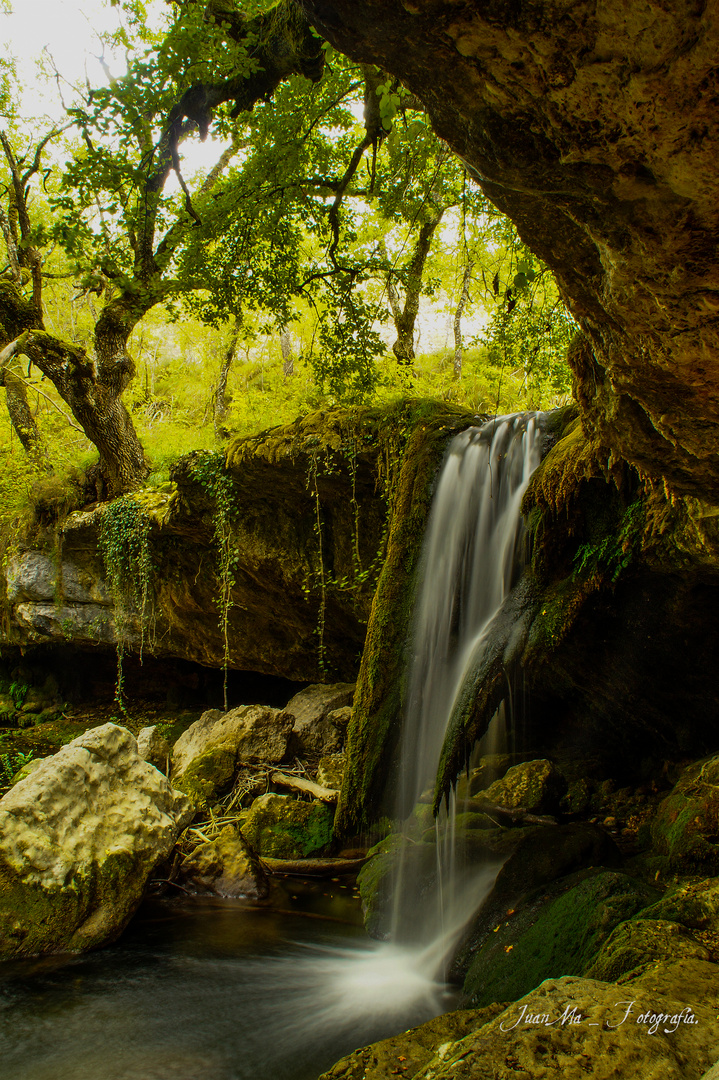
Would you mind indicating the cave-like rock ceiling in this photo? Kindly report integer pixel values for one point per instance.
(593, 125)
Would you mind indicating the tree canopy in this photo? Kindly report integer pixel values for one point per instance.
(331, 214)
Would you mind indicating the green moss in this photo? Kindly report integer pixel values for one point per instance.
(280, 827)
(640, 942)
(551, 939)
(207, 776)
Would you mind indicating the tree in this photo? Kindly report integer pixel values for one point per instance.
(116, 222)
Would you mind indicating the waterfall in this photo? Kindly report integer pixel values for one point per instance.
(472, 557)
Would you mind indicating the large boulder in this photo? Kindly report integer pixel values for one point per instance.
(637, 944)
(315, 731)
(79, 838)
(207, 756)
(225, 867)
(558, 931)
(686, 827)
(281, 827)
(572, 1028)
(152, 746)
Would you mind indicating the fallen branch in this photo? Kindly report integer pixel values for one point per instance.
(296, 783)
(312, 867)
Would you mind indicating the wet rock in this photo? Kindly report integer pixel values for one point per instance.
(641, 942)
(225, 867)
(541, 856)
(152, 746)
(557, 931)
(206, 757)
(79, 838)
(570, 1027)
(536, 786)
(686, 827)
(285, 828)
(314, 730)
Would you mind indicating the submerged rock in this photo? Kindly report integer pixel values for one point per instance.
(79, 839)
(206, 758)
(285, 828)
(225, 867)
(315, 730)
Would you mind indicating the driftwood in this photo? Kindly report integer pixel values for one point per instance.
(312, 867)
(297, 783)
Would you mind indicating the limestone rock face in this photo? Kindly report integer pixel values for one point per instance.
(534, 785)
(593, 126)
(314, 729)
(225, 867)
(79, 838)
(284, 828)
(206, 757)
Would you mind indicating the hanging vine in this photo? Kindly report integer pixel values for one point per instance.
(124, 544)
(209, 471)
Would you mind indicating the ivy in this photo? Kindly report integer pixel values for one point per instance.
(124, 544)
(209, 471)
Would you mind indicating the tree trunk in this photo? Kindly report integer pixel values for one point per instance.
(22, 419)
(406, 317)
(288, 360)
(220, 402)
(463, 297)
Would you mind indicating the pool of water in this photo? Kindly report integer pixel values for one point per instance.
(214, 990)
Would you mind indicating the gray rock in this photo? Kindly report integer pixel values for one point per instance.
(35, 577)
(313, 729)
(79, 838)
(152, 746)
(79, 622)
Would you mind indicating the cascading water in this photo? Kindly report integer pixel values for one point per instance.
(471, 559)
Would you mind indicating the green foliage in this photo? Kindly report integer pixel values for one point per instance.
(10, 764)
(124, 543)
(611, 556)
(209, 471)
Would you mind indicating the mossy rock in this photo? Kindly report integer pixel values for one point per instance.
(534, 785)
(695, 905)
(686, 827)
(208, 775)
(640, 942)
(281, 827)
(552, 935)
